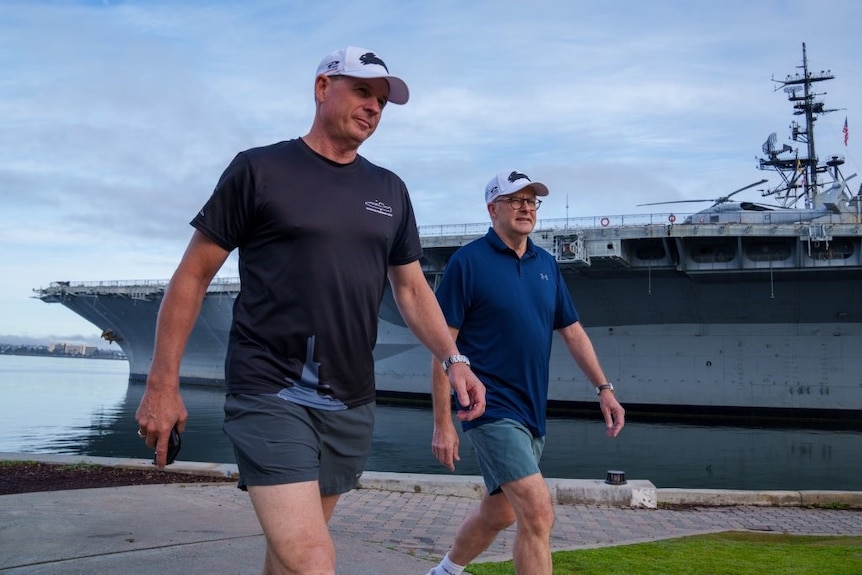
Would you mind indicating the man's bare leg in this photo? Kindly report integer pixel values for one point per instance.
(293, 517)
(481, 527)
(526, 501)
(531, 500)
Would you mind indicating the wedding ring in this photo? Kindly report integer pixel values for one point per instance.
(141, 435)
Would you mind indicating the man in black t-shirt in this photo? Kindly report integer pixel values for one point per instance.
(319, 231)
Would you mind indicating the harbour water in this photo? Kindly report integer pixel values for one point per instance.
(83, 406)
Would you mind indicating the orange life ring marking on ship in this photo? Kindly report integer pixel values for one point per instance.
(671, 218)
(605, 222)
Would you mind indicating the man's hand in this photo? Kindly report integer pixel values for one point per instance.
(469, 392)
(615, 415)
(157, 414)
(444, 444)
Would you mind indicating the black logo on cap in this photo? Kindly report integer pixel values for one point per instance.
(371, 58)
(517, 176)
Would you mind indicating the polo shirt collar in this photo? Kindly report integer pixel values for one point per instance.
(500, 246)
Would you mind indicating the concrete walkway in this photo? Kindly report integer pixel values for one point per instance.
(395, 524)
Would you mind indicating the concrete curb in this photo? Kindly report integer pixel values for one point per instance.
(637, 493)
(634, 494)
(727, 497)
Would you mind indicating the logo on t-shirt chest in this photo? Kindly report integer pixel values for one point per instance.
(379, 207)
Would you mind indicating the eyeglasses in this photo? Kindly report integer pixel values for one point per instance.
(518, 203)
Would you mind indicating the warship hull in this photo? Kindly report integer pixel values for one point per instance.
(728, 318)
(723, 318)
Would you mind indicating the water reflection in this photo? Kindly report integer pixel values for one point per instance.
(86, 407)
(45, 399)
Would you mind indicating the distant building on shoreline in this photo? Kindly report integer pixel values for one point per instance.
(62, 350)
(83, 350)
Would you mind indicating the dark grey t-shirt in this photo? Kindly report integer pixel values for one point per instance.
(315, 240)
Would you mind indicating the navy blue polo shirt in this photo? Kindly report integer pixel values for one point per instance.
(506, 310)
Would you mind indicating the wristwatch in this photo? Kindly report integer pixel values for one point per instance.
(454, 359)
(609, 386)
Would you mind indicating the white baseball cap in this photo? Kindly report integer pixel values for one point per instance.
(361, 63)
(506, 183)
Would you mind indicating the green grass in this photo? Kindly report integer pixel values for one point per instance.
(731, 553)
(79, 466)
(17, 463)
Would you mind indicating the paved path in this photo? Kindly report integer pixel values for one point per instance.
(211, 529)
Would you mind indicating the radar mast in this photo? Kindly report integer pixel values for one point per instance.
(800, 172)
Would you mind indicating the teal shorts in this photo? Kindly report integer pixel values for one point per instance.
(506, 451)
(277, 441)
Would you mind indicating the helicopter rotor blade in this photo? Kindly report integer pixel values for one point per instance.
(673, 202)
(763, 181)
(720, 200)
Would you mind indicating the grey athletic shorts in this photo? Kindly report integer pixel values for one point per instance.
(276, 441)
(506, 451)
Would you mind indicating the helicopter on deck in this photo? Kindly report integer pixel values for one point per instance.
(810, 191)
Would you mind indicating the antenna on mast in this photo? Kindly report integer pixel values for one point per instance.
(799, 170)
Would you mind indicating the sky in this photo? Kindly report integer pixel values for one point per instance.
(118, 117)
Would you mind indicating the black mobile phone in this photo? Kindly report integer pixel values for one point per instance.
(174, 444)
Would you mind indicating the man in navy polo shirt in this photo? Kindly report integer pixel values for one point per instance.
(503, 298)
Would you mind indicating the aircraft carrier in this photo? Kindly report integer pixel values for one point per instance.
(739, 308)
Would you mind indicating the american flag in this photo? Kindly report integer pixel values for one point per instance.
(846, 131)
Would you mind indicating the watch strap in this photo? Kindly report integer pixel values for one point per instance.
(447, 363)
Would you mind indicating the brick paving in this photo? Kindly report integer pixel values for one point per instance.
(423, 525)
